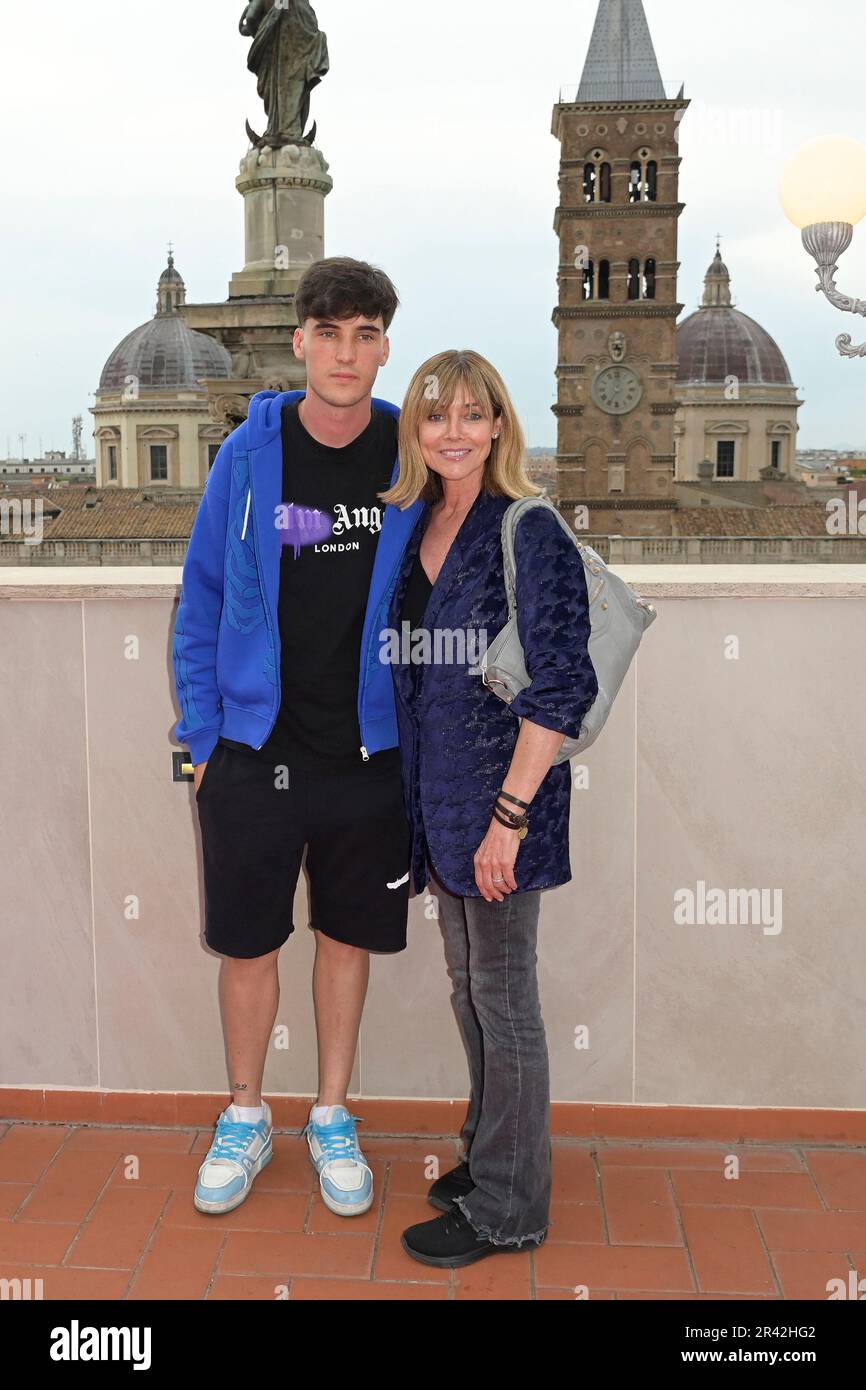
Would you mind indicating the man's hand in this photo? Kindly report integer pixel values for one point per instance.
(198, 773)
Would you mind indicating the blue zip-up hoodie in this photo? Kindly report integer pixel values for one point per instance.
(226, 648)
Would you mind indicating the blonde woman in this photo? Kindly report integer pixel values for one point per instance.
(488, 810)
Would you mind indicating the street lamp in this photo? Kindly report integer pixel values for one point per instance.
(823, 191)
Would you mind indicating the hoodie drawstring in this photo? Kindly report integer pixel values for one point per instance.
(246, 515)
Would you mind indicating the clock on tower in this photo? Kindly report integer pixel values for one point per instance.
(617, 390)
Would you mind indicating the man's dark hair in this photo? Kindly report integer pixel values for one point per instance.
(341, 288)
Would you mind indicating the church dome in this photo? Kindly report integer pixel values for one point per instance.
(718, 341)
(164, 353)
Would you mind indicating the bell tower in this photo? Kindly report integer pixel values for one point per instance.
(617, 226)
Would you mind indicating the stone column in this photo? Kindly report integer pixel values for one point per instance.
(284, 193)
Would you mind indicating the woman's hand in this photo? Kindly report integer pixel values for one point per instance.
(495, 856)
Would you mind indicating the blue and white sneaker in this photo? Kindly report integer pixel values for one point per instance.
(345, 1179)
(238, 1153)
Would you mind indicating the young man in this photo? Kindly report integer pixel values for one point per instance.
(290, 720)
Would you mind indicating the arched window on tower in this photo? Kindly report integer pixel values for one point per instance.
(587, 290)
(634, 279)
(649, 279)
(596, 179)
(635, 182)
(652, 176)
(604, 279)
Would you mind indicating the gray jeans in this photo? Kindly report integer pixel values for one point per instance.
(491, 959)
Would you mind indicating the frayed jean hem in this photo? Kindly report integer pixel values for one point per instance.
(487, 1233)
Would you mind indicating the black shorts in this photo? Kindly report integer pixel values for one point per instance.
(354, 825)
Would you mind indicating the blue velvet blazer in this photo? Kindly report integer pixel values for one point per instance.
(457, 738)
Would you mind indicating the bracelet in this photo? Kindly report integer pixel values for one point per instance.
(510, 817)
(522, 830)
(515, 799)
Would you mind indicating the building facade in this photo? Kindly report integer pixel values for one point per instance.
(152, 423)
(737, 421)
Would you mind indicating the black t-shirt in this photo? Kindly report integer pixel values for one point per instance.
(330, 527)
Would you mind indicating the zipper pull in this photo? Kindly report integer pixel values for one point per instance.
(364, 754)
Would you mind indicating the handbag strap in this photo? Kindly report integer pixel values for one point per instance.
(510, 518)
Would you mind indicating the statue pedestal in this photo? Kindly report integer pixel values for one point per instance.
(284, 193)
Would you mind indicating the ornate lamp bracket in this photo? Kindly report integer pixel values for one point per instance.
(826, 242)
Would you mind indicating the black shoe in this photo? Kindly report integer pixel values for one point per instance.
(449, 1241)
(457, 1183)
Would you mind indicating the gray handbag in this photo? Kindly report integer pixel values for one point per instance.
(619, 619)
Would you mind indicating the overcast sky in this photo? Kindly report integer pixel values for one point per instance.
(124, 125)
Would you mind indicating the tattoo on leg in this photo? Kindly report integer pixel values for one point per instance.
(240, 1086)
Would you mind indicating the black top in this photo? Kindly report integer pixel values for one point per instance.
(418, 591)
(415, 599)
(331, 522)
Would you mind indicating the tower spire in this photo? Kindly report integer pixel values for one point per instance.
(717, 283)
(621, 64)
(171, 290)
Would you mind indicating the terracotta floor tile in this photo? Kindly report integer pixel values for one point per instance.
(598, 1295)
(290, 1169)
(841, 1177)
(786, 1190)
(581, 1222)
(69, 1187)
(34, 1242)
(26, 1151)
(119, 1227)
(306, 1289)
(165, 1170)
(178, 1265)
(414, 1176)
(507, 1277)
(122, 1141)
(805, 1274)
(609, 1267)
(753, 1158)
(73, 1284)
(322, 1221)
(727, 1250)
(249, 1288)
(640, 1207)
(619, 1216)
(629, 1295)
(258, 1252)
(807, 1230)
(574, 1178)
(12, 1194)
(663, 1155)
(391, 1260)
(411, 1150)
(262, 1211)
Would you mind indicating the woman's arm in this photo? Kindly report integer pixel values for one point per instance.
(554, 627)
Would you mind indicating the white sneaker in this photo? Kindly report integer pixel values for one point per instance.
(345, 1179)
(238, 1153)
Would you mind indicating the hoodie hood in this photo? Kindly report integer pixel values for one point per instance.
(264, 420)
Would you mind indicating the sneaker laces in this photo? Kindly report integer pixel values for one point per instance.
(232, 1138)
(338, 1141)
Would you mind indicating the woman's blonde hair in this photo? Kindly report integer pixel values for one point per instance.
(435, 386)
